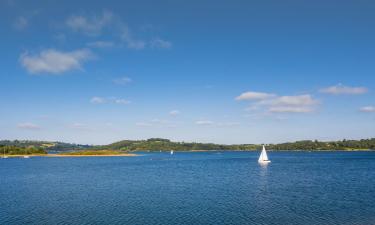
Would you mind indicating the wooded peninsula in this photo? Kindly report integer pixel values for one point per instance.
(27, 147)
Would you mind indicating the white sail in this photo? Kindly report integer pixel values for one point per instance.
(263, 156)
(172, 152)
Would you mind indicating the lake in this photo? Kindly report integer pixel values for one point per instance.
(190, 188)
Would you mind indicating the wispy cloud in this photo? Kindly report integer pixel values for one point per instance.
(101, 44)
(291, 104)
(252, 95)
(90, 25)
(174, 112)
(21, 23)
(160, 43)
(290, 109)
(204, 122)
(130, 40)
(292, 100)
(122, 101)
(271, 103)
(340, 89)
(370, 109)
(97, 100)
(96, 24)
(113, 100)
(28, 126)
(52, 61)
(122, 80)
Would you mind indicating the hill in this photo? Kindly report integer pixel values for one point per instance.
(157, 144)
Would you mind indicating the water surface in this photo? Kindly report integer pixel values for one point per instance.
(190, 188)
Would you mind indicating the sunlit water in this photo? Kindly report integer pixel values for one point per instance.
(190, 188)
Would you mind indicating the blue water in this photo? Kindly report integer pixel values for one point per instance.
(190, 188)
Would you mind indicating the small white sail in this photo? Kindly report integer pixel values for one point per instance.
(263, 158)
(172, 152)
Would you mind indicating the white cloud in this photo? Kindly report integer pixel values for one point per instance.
(271, 103)
(291, 104)
(51, 61)
(293, 100)
(96, 24)
(174, 112)
(98, 100)
(102, 100)
(131, 42)
(367, 109)
(290, 109)
(122, 81)
(340, 89)
(101, 44)
(251, 95)
(160, 43)
(28, 126)
(204, 122)
(21, 23)
(122, 101)
(89, 25)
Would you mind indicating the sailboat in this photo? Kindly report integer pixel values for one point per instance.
(263, 158)
(172, 152)
(5, 156)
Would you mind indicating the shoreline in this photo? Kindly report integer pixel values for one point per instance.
(70, 155)
(139, 153)
(104, 155)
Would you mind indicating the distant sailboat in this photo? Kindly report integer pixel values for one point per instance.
(172, 152)
(4, 156)
(263, 158)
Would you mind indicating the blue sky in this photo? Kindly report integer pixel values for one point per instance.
(208, 71)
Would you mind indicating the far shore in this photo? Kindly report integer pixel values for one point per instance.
(17, 156)
(70, 155)
(104, 155)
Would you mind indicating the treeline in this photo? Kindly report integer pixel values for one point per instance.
(45, 145)
(157, 144)
(363, 144)
(15, 150)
